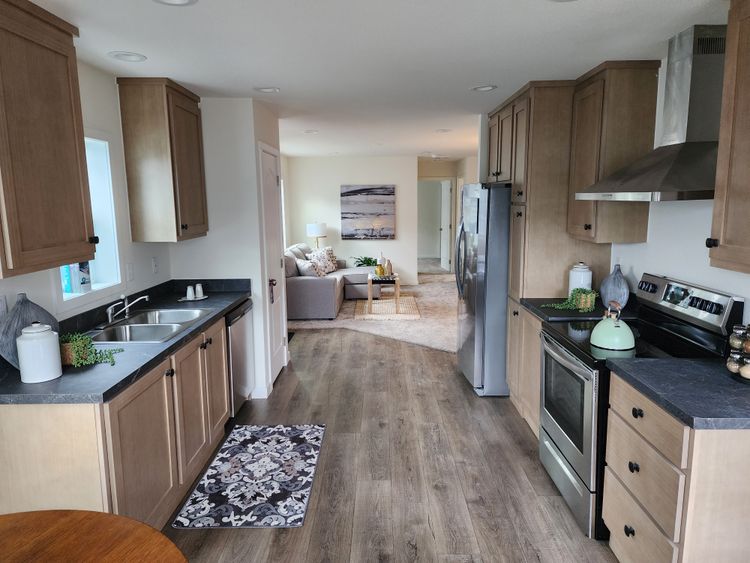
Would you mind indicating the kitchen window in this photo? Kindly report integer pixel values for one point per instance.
(83, 278)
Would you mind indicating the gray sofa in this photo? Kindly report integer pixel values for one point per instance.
(310, 297)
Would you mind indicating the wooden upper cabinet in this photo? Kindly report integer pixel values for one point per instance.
(614, 113)
(584, 163)
(161, 128)
(505, 144)
(519, 149)
(731, 228)
(45, 209)
(492, 147)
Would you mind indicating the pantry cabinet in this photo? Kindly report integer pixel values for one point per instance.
(538, 121)
(730, 233)
(46, 212)
(500, 145)
(614, 111)
(163, 139)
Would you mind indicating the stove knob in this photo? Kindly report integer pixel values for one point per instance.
(718, 309)
(693, 302)
(651, 288)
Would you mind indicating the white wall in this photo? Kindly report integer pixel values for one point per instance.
(313, 193)
(428, 232)
(101, 117)
(233, 247)
(677, 232)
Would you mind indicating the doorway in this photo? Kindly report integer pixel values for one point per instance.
(435, 225)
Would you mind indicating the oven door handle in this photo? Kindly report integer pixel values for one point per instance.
(567, 360)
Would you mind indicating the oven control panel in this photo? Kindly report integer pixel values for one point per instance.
(705, 307)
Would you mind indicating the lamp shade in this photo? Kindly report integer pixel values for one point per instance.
(315, 230)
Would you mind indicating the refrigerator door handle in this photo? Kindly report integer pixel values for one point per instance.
(460, 260)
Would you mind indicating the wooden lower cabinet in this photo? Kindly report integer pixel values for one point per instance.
(141, 447)
(524, 362)
(217, 379)
(191, 408)
(659, 509)
(136, 455)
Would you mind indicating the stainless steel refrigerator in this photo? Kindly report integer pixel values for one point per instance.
(482, 281)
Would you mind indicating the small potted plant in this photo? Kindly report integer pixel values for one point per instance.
(78, 350)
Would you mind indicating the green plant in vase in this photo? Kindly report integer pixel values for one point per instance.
(78, 350)
(360, 261)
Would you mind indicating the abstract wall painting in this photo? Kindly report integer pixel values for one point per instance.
(368, 212)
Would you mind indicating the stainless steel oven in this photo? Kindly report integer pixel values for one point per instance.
(567, 445)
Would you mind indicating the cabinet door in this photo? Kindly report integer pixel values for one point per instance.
(514, 352)
(588, 105)
(217, 379)
(504, 144)
(492, 145)
(191, 409)
(731, 227)
(531, 368)
(520, 143)
(46, 212)
(517, 251)
(186, 138)
(142, 450)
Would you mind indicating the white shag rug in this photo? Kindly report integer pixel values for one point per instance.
(437, 328)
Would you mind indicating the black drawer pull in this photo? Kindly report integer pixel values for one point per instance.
(515, 313)
(637, 413)
(519, 193)
(633, 467)
(210, 341)
(712, 242)
(203, 346)
(184, 226)
(519, 213)
(587, 227)
(169, 372)
(94, 240)
(629, 531)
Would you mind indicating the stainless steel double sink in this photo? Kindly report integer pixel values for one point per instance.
(151, 326)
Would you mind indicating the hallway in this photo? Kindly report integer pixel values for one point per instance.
(414, 466)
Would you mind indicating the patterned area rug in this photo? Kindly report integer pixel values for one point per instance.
(384, 309)
(261, 478)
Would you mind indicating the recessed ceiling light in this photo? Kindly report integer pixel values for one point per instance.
(127, 56)
(443, 130)
(176, 2)
(311, 131)
(268, 89)
(485, 88)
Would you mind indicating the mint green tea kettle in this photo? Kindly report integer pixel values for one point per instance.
(612, 333)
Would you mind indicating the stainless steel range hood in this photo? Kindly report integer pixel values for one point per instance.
(684, 167)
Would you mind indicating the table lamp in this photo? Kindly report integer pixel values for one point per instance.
(317, 231)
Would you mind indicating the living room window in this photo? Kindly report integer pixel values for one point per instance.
(103, 272)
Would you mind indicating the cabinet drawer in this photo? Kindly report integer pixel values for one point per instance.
(663, 431)
(643, 540)
(657, 484)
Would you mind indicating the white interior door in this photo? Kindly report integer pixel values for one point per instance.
(446, 237)
(274, 252)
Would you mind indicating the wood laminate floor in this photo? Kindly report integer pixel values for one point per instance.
(414, 466)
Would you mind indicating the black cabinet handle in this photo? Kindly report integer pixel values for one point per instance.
(169, 372)
(184, 226)
(519, 193)
(637, 413)
(629, 530)
(519, 213)
(210, 341)
(633, 467)
(712, 242)
(515, 313)
(587, 227)
(94, 240)
(203, 346)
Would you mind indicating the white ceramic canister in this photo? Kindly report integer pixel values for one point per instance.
(579, 276)
(38, 353)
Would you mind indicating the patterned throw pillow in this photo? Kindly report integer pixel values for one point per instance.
(310, 268)
(325, 258)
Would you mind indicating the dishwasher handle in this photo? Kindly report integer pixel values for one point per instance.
(237, 313)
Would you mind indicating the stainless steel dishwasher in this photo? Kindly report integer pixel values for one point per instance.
(241, 368)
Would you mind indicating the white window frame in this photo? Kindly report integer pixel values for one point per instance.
(94, 298)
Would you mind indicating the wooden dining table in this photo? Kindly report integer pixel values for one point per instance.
(81, 535)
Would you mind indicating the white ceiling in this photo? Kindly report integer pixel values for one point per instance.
(376, 77)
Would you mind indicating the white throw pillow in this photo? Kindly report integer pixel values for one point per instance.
(309, 268)
(325, 258)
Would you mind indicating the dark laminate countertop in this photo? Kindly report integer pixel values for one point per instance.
(700, 393)
(549, 314)
(99, 383)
